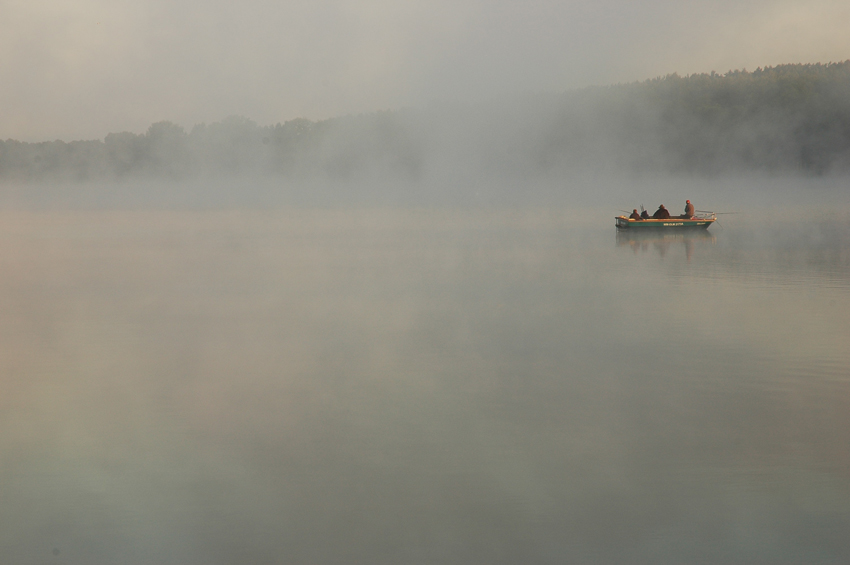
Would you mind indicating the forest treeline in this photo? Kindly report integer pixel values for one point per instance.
(789, 118)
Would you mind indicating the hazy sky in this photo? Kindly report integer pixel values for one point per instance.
(79, 69)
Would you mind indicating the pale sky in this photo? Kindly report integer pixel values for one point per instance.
(79, 69)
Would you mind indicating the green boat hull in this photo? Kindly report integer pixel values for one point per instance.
(624, 223)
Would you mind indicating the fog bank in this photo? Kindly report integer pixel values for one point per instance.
(787, 119)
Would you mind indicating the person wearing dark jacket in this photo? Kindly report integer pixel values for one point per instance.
(661, 213)
(635, 215)
(645, 215)
(689, 210)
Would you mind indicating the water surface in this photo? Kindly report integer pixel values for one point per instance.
(421, 386)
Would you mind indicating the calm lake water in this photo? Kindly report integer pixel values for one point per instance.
(385, 386)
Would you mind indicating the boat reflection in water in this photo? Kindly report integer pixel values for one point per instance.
(642, 241)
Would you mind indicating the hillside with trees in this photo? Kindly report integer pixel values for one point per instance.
(784, 119)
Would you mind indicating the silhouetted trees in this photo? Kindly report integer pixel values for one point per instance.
(790, 118)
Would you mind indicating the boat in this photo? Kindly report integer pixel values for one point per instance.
(700, 221)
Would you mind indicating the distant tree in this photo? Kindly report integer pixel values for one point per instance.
(125, 152)
(789, 118)
(233, 145)
(165, 150)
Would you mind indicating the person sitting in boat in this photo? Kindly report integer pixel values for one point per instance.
(662, 213)
(645, 215)
(635, 215)
(689, 210)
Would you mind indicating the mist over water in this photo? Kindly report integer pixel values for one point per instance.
(457, 380)
(338, 282)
